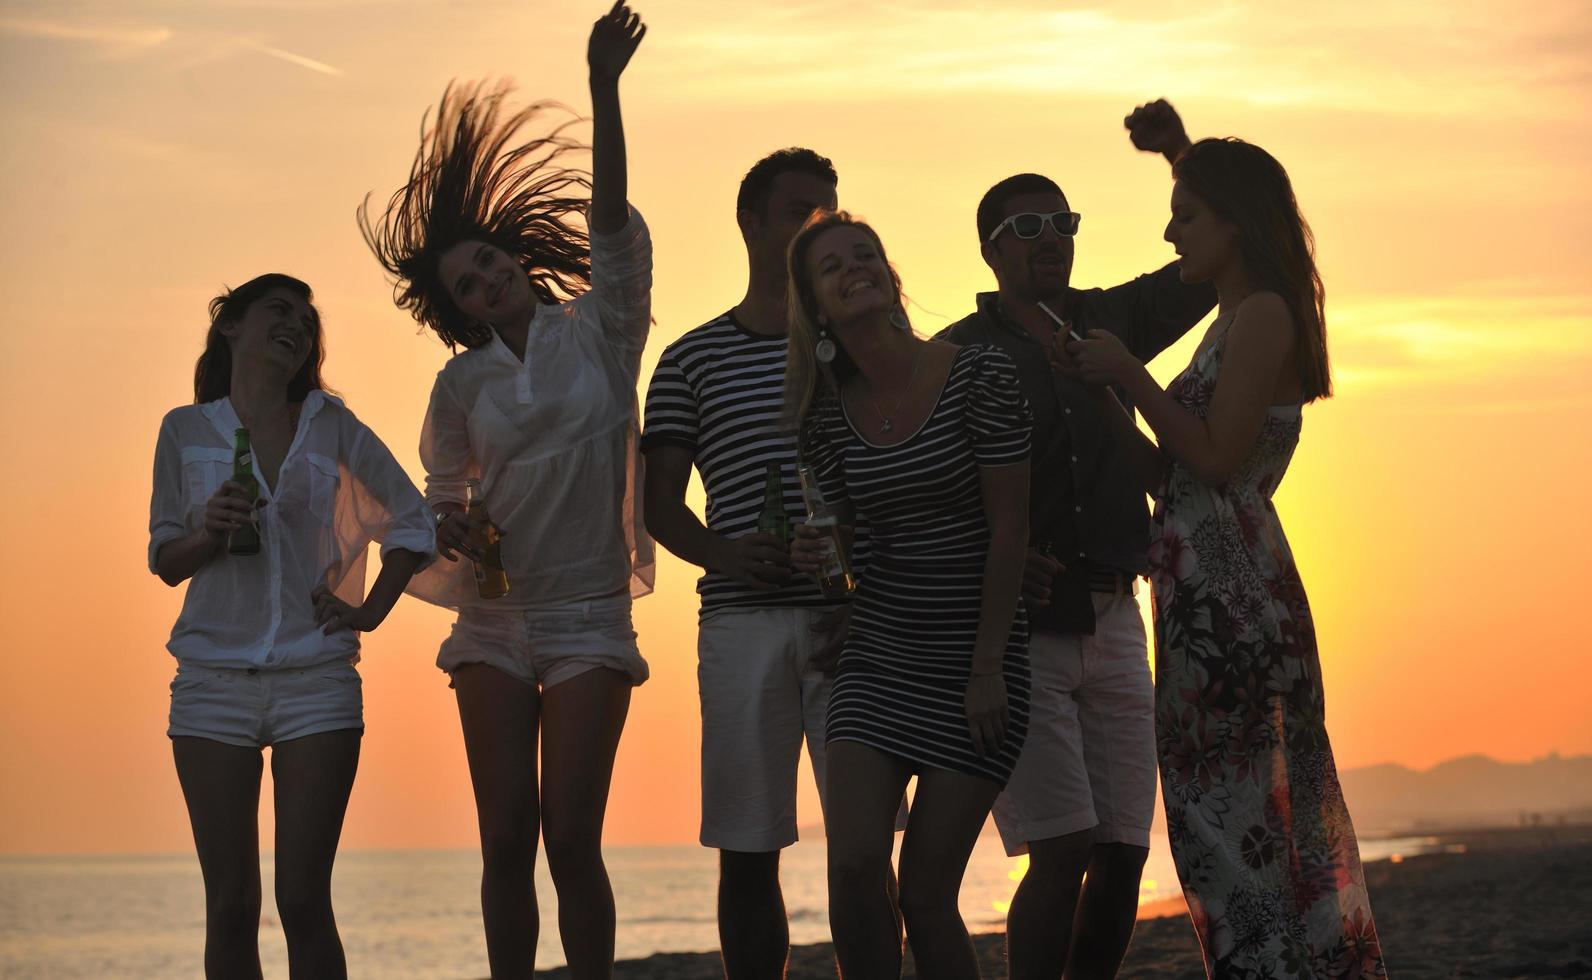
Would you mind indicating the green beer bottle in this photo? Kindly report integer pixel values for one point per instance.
(246, 539)
(773, 520)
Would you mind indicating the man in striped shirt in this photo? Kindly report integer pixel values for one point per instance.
(715, 402)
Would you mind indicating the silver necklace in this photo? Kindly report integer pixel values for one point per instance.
(885, 423)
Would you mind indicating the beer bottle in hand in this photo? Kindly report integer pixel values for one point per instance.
(246, 539)
(491, 581)
(834, 570)
(773, 520)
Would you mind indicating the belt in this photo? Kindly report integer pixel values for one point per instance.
(1113, 582)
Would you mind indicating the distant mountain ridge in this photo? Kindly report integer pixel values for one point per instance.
(1470, 791)
(1467, 793)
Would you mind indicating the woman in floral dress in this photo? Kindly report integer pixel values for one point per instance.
(1262, 839)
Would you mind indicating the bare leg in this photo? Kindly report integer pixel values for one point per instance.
(313, 776)
(221, 784)
(864, 791)
(754, 934)
(1107, 912)
(499, 716)
(1039, 926)
(581, 722)
(948, 811)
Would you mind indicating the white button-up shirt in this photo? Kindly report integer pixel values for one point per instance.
(553, 439)
(338, 490)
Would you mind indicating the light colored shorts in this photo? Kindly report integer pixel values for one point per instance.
(545, 647)
(1090, 756)
(760, 700)
(255, 708)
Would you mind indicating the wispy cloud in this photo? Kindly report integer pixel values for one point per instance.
(1390, 58)
(291, 58)
(1416, 340)
(176, 50)
(107, 38)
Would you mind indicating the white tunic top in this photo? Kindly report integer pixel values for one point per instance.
(338, 490)
(553, 439)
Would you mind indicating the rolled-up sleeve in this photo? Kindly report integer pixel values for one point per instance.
(168, 508)
(445, 447)
(389, 508)
(621, 282)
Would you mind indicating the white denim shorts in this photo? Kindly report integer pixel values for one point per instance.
(760, 701)
(1090, 756)
(255, 708)
(545, 647)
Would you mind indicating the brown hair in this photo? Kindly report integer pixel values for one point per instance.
(466, 184)
(212, 375)
(1246, 186)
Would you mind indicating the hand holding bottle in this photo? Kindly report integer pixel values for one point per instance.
(455, 529)
(228, 509)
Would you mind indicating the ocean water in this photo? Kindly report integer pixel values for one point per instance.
(415, 914)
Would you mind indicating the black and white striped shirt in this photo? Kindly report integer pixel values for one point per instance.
(719, 391)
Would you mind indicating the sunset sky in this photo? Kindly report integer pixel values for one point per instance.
(157, 151)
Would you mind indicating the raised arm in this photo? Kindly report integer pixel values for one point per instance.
(613, 40)
(1155, 127)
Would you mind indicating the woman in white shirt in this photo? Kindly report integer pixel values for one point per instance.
(540, 408)
(266, 643)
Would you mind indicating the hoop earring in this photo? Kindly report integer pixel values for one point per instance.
(824, 350)
(898, 319)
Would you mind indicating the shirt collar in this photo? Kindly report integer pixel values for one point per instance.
(225, 418)
(989, 307)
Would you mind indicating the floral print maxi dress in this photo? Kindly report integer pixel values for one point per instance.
(1260, 835)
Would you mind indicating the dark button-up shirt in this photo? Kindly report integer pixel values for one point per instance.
(1085, 500)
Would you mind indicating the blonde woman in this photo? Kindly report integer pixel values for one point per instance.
(927, 444)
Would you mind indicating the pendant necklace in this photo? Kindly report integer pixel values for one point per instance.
(885, 420)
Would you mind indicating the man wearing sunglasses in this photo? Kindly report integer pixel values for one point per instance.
(1083, 793)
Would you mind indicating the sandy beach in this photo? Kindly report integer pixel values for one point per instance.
(1495, 903)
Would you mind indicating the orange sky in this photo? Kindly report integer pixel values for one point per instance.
(156, 150)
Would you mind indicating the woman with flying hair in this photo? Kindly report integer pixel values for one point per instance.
(927, 444)
(1259, 831)
(539, 410)
(269, 631)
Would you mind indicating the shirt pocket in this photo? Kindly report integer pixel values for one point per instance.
(203, 471)
(323, 479)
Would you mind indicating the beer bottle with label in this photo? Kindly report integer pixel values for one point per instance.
(491, 581)
(246, 539)
(773, 520)
(834, 570)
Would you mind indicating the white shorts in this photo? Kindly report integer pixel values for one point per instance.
(759, 701)
(1090, 756)
(255, 708)
(545, 647)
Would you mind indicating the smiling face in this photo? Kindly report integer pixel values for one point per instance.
(276, 333)
(1205, 242)
(849, 275)
(1031, 269)
(485, 283)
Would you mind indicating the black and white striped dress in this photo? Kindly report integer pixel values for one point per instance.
(901, 683)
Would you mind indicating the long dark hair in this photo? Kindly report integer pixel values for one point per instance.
(212, 375)
(1248, 187)
(806, 379)
(467, 183)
